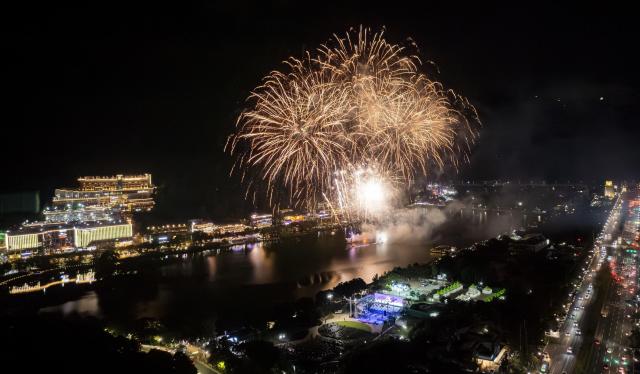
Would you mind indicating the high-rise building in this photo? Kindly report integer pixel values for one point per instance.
(20, 202)
(609, 189)
(126, 193)
(56, 237)
(95, 214)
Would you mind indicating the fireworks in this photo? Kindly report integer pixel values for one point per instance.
(355, 114)
(362, 192)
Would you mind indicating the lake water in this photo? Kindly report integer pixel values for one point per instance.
(188, 294)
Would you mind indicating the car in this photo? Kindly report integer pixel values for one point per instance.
(544, 367)
(605, 367)
(567, 333)
(578, 332)
(569, 350)
(596, 342)
(609, 350)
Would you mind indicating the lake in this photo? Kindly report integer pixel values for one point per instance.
(188, 293)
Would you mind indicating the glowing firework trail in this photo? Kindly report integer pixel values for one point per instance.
(363, 192)
(359, 100)
(295, 132)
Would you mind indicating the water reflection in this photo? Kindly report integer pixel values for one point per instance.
(262, 264)
(191, 292)
(211, 268)
(87, 304)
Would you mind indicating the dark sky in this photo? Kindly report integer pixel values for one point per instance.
(112, 87)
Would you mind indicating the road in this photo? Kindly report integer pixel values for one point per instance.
(576, 327)
(196, 354)
(600, 316)
(613, 355)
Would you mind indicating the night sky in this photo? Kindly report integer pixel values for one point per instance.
(112, 87)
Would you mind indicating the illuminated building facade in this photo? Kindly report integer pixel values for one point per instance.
(172, 228)
(78, 213)
(166, 233)
(292, 218)
(84, 236)
(234, 228)
(609, 189)
(198, 225)
(126, 193)
(261, 220)
(59, 237)
(15, 242)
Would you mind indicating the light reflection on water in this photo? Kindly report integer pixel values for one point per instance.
(250, 280)
(87, 304)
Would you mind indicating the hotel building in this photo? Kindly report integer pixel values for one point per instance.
(126, 193)
(261, 220)
(53, 237)
(78, 213)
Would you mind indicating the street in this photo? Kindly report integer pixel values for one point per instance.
(593, 338)
(561, 355)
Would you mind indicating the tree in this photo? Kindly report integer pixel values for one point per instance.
(347, 289)
(182, 364)
(260, 357)
(157, 361)
(147, 328)
(106, 264)
(434, 269)
(93, 349)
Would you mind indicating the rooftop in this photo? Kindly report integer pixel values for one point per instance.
(41, 226)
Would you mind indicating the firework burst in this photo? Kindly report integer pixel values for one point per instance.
(358, 100)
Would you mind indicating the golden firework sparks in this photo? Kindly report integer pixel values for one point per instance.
(358, 100)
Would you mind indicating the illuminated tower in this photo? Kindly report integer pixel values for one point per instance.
(609, 189)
